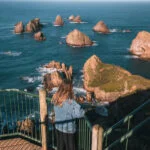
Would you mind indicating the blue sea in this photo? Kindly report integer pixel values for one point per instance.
(21, 56)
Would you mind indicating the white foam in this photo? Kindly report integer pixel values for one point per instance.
(83, 22)
(81, 70)
(63, 37)
(40, 86)
(95, 43)
(82, 76)
(32, 79)
(54, 90)
(44, 70)
(12, 89)
(78, 90)
(114, 30)
(16, 33)
(131, 56)
(11, 53)
(56, 25)
(44, 23)
(126, 31)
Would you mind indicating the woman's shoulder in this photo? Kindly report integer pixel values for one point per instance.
(70, 102)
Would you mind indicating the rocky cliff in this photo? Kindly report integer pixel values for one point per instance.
(109, 82)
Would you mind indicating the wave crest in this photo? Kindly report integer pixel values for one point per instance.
(11, 53)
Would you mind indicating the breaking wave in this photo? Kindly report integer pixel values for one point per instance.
(114, 30)
(56, 25)
(95, 43)
(11, 53)
(63, 37)
(131, 56)
(31, 79)
(44, 70)
(79, 91)
(119, 30)
(83, 22)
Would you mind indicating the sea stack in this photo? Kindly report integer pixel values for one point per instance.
(141, 45)
(39, 36)
(77, 19)
(77, 38)
(71, 17)
(109, 82)
(54, 79)
(33, 25)
(19, 28)
(101, 27)
(59, 21)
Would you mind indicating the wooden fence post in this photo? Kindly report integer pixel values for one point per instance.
(100, 138)
(97, 137)
(43, 116)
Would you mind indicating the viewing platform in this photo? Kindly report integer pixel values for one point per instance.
(25, 125)
(18, 144)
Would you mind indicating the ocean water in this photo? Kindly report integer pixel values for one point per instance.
(20, 68)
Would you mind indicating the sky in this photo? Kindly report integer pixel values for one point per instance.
(81, 0)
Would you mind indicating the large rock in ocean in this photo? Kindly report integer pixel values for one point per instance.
(141, 45)
(53, 64)
(71, 17)
(19, 28)
(77, 38)
(59, 21)
(39, 36)
(109, 82)
(33, 25)
(56, 78)
(77, 19)
(101, 27)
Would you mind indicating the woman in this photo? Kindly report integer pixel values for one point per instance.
(66, 110)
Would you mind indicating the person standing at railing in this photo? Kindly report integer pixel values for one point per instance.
(66, 109)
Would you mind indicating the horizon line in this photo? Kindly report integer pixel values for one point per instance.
(91, 1)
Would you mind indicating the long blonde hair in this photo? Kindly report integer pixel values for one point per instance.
(65, 91)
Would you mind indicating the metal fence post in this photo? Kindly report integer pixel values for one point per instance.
(97, 137)
(43, 116)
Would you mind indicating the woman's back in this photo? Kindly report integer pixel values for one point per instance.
(65, 116)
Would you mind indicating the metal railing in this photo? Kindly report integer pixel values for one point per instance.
(19, 115)
(126, 128)
(83, 134)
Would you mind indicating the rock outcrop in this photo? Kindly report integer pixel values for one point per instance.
(39, 36)
(26, 125)
(52, 80)
(141, 45)
(101, 27)
(19, 28)
(33, 25)
(77, 19)
(77, 38)
(109, 82)
(71, 17)
(53, 64)
(56, 78)
(59, 21)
